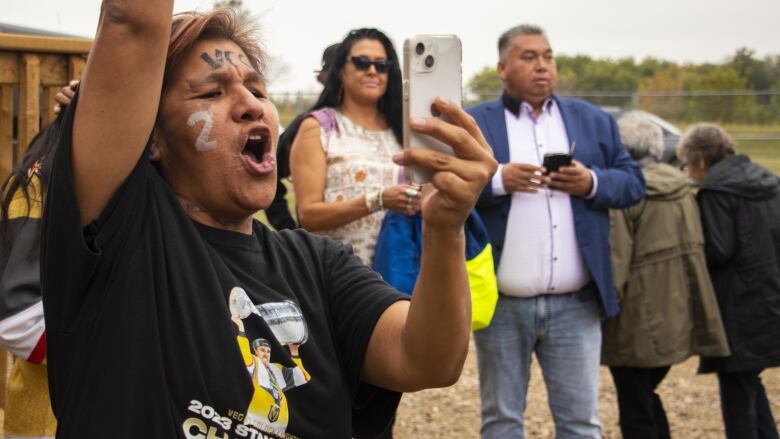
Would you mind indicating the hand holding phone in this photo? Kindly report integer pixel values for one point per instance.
(554, 161)
(575, 179)
(432, 67)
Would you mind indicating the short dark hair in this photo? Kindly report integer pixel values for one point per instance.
(260, 342)
(521, 29)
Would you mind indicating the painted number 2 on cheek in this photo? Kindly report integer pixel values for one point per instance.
(202, 143)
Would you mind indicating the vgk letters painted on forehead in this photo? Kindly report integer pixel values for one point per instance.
(218, 60)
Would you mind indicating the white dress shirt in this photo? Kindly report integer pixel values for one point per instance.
(540, 254)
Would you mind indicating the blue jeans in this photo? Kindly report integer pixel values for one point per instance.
(565, 333)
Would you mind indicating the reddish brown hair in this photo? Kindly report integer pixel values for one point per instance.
(188, 28)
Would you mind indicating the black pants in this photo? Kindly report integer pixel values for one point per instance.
(746, 411)
(641, 411)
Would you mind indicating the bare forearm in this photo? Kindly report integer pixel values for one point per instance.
(123, 77)
(436, 335)
(141, 14)
(325, 216)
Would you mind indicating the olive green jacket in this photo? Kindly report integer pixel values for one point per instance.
(668, 310)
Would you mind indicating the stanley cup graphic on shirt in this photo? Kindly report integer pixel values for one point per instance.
(268, 409)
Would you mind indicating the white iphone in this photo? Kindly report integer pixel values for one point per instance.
(432, 67)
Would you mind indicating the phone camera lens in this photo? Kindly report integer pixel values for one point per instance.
(429, 61)
(419, 48)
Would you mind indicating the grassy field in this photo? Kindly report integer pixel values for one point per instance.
(764, 152)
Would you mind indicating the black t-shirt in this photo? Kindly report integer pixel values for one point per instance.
(141, 343)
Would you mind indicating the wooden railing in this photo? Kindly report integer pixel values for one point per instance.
(32, 70)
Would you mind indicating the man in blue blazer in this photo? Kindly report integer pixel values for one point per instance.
(550, 235)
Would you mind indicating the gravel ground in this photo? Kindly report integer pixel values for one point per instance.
(691, 402)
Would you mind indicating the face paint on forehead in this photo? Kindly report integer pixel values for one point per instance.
(218, 60)
(215, 64)
(202, 143)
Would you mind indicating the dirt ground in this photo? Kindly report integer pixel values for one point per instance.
(691, 402)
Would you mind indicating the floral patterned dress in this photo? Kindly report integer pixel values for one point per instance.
(359, 162)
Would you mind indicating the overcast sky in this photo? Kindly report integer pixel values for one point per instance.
(297, 31)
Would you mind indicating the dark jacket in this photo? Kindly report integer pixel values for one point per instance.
(740, 211)
(620, 184)
(278, 212)
(668, 310)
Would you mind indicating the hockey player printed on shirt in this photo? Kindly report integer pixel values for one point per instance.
(268, 409)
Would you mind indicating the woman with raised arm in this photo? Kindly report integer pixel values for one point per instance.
(150, 252)
(341, 159)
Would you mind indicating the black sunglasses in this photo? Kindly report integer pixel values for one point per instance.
(362, 63)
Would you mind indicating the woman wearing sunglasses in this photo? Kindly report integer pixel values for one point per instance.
(341, 164)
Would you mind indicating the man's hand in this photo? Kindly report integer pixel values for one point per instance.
(293, 349)
(237, 320)
(523, 177)
(64, 96)
(458, 179)
(575, 179)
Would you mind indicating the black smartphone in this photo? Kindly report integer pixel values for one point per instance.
(552, 162)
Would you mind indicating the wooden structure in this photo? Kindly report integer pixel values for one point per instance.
(32, 69)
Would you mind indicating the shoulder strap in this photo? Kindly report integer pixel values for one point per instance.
(326, 118)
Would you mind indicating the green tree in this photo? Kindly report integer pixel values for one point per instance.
(570, 70)
(609, 76)
(728, 109)
(656, 91)
(484, 85)
(690, 92)
(754, 71)
(650, 66)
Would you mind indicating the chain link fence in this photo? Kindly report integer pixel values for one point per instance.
(751, 117)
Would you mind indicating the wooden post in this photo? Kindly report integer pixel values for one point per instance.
(76, 66)
(29, 95)
(47, 111)
(6, 130)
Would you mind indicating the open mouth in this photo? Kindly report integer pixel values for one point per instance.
(257, 151)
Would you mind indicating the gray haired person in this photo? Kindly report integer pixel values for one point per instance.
(739, 203)
(661, 276)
